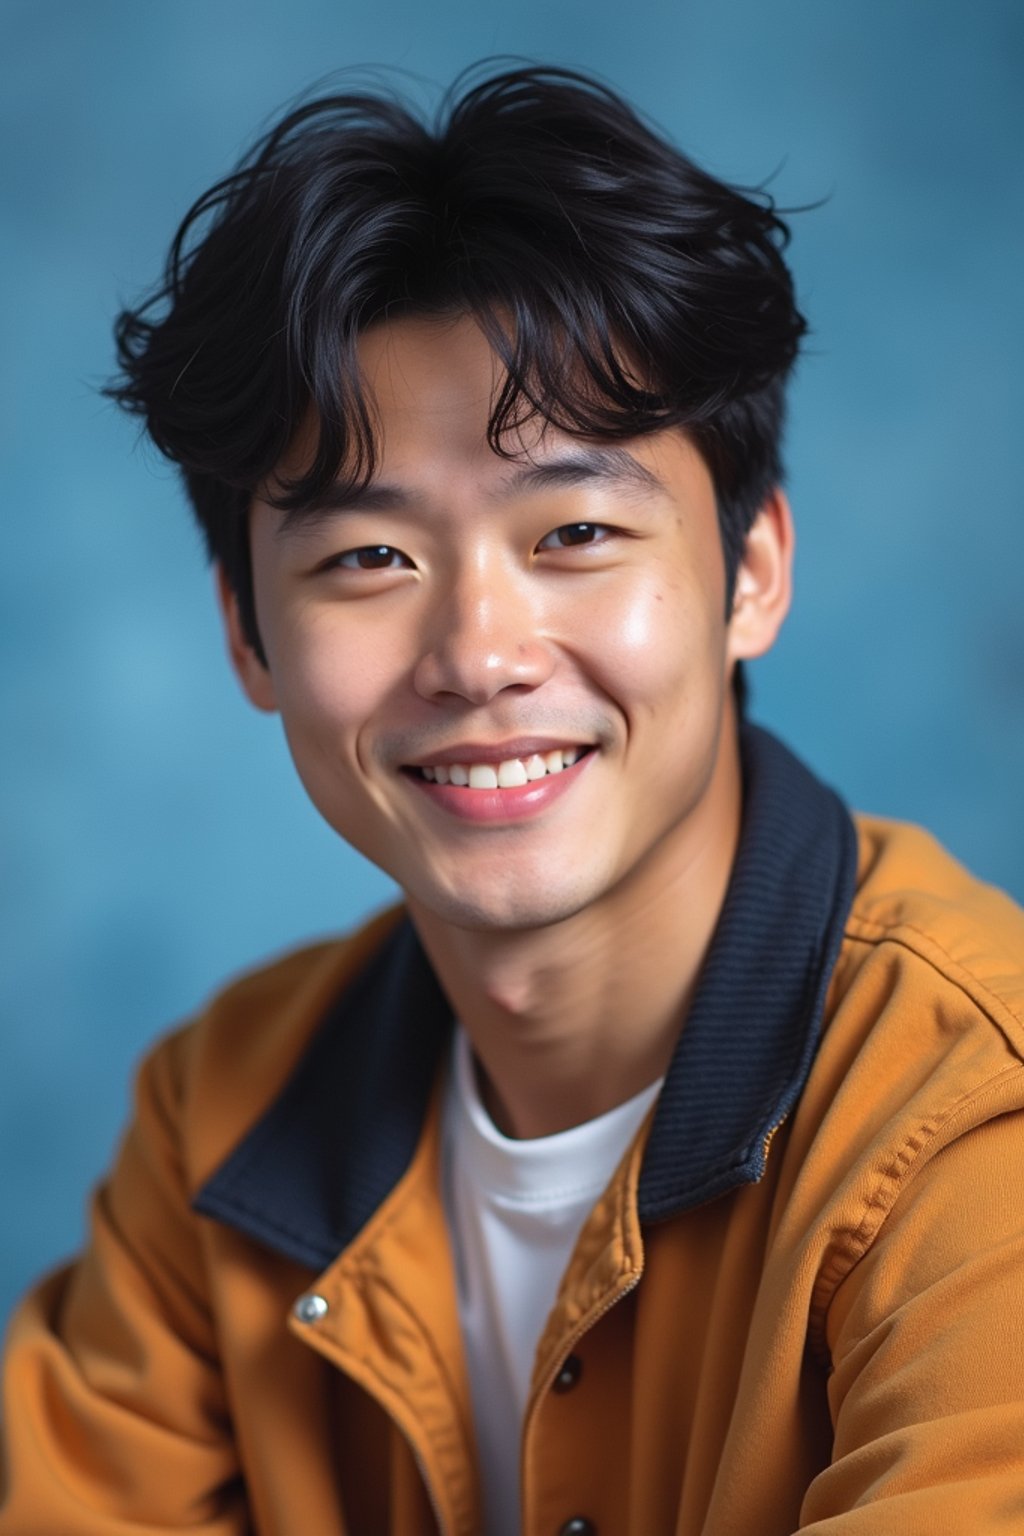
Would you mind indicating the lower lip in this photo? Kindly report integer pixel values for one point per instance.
(491, 807)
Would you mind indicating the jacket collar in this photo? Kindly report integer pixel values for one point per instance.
(342, 1132)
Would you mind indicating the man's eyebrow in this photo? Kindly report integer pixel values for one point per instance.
(582, 466)
(378, 496)
(586, 465)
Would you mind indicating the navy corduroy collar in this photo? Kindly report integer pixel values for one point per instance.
(342, 1132)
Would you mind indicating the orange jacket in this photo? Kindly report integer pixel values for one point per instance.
(814, 1325)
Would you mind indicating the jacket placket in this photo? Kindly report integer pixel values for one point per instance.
(385, 1313)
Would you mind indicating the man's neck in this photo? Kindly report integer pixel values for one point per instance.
(569, 1020)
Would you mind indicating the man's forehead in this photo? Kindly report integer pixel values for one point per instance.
(554, 468)
(431, 386)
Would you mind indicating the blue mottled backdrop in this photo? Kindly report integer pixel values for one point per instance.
(154, 839)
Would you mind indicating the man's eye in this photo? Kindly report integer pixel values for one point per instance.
(571, 534)
(372, 557)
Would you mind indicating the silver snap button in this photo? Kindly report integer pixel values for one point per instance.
(310, 1308)
(569, 1375)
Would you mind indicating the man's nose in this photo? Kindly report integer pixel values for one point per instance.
(485, 634)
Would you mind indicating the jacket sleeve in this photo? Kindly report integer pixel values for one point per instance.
(926, 1334)
(115, 1416)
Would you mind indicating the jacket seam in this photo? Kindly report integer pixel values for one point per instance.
(393, 1390)
(954, 971)
(853, 1244)
(366, 1275)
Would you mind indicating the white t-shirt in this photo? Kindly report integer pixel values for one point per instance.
(514, 1211)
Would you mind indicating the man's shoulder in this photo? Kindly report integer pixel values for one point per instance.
(218, 1072)
(922, 1048)
(912, 895)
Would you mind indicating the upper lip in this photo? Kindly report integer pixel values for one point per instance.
(494, 752)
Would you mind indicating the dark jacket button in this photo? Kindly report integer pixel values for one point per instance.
(578, 1526)
(569, 1375)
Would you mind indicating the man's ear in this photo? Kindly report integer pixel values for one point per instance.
(249, 669)
(764, 581)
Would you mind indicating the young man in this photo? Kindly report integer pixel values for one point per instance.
(655, 1169)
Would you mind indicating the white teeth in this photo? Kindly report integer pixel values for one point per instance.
(511, 774)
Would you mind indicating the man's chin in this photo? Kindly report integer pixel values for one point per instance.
(509, 910)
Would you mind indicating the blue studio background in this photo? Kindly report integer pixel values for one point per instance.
(154, 838)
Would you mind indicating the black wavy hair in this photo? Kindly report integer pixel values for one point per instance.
(624, 289)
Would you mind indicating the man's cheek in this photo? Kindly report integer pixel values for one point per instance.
(644, 650)
(332, 687)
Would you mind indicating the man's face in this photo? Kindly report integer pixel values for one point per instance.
(551, 628)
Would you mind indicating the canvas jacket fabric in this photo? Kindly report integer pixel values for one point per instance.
(797, 1306)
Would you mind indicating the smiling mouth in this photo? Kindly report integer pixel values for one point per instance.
(513, 773)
